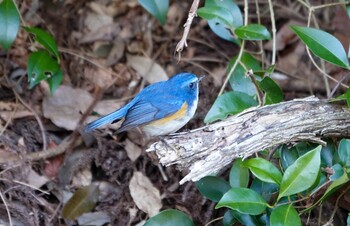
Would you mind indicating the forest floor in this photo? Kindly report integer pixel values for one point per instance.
(107, 48)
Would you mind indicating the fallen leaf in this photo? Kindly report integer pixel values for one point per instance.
(36, 180)
(285, 36)
(83, 201)
(133, 150)
(144, 194)
(101, 77)
(147, 68)
(104, 33)
(95, 218)
(64, 108)
(116, 52)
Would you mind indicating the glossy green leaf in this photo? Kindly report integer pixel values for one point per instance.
(229, 103)
(83, 201)
(348, 219)
(266, 190)
(245, 219)
(170, 218)
(273, 93)
(228, 219)
(239, 176)
(323, 45)
(264, 170)
(327, 154)
(335, 185)
(157, 8)
(285, 215)
(213, 187)
(344, 152)
(45, 39)
(338, 171)
(347, 96)
(221, 14)
(55, 81)
(220, 28)
(9, 23)
(253, 32)
(288, 156)
(41, 66)
(243, 200)
(238, 80)
(302, 174)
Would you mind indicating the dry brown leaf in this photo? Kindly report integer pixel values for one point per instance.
(285, 36)
(93, 21)
(145, 195)
(104, 33)
(116, 52)
(98, 76)
(147, 68)
(64, 108)
(36, 180)
(133, 151)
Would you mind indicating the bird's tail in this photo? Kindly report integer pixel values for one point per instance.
(111, 117)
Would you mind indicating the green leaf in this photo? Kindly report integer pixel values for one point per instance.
(288, 156)
(45, 39)
(170, 218)
(212, 187)
(264, 170)
(302, 174)
(253, 32)
(327, 154)
(245, 219)
(220, 28)
(157, 8)
(273, 93)
(9, 23)
(338, 171)
(243, 200)
(335, 185)
(285, 215)
(323, 45)
(347, 95)
(266, 190)
(218, 13)
(229, 103)
(344, 152)
(83, 201)
(238, 80)
(55, 81)
(41, 66)
(228, 219)
(239, 176)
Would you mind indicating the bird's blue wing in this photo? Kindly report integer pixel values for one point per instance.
(146, 111)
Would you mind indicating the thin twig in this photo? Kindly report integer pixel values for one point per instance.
(273, 26)
(7, 208)
(183, 43)
(240, 51)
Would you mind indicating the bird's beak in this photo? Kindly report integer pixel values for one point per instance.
(201, 77)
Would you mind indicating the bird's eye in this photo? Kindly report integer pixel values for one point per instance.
(191, 85)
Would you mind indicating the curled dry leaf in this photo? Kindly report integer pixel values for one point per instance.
(147, 68)
(132, 150)
(65, 107)
(145, 195)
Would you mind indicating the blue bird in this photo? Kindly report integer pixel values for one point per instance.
(159, 109)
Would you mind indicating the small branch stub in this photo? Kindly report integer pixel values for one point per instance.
(209, 149)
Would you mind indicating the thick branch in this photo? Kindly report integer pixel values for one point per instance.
(209, 149)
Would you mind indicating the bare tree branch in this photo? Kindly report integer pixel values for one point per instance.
(209, 149)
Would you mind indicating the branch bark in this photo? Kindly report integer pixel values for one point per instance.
(209, 149)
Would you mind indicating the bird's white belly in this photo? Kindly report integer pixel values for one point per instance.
(171, 126)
